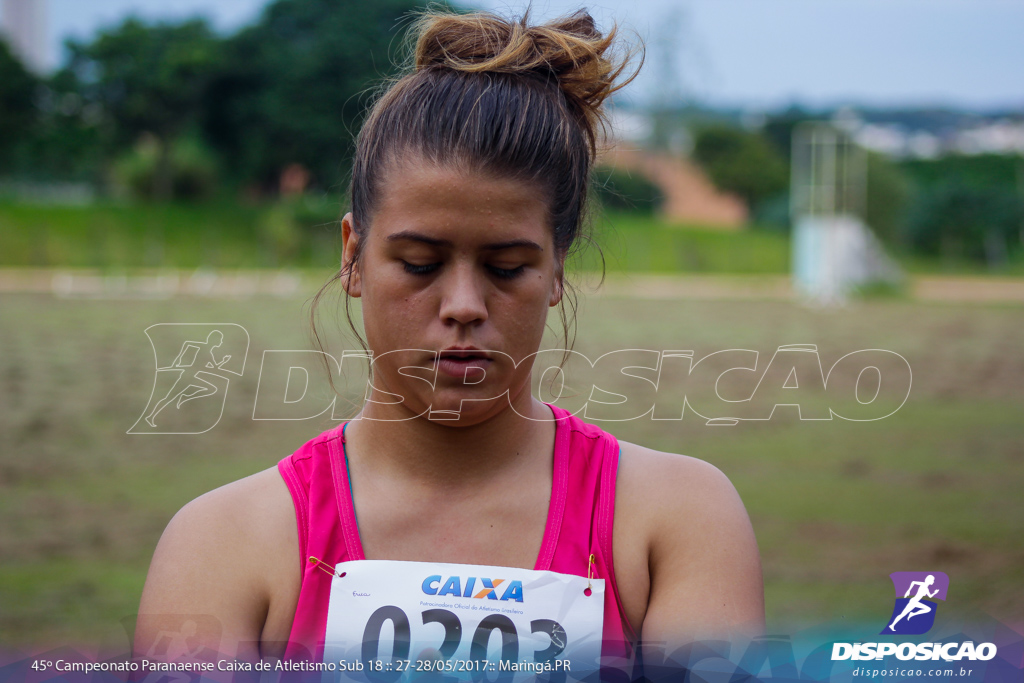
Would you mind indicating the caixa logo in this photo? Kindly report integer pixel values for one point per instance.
(488, 588)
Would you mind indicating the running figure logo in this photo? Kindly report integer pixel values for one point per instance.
(204, 357)
(914, 613)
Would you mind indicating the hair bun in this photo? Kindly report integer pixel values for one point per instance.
(570, 48)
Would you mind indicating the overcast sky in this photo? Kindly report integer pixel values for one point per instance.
(755, 53)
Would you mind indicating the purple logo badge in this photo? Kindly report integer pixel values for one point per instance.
(916, 592)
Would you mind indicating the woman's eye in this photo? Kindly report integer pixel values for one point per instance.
(414, 269)
(506, 273)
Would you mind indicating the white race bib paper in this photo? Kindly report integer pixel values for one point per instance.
(391, 621)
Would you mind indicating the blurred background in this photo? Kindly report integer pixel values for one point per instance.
(844, 174)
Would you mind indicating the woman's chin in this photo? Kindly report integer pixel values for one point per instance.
(463, 411)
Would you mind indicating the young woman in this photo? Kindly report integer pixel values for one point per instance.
(468, 192)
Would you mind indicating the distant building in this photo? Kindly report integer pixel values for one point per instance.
(967, 133)
(23, 23)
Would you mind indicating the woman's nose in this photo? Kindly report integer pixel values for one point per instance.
(463, 299)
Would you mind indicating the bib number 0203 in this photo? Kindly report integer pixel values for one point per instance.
(452, 639)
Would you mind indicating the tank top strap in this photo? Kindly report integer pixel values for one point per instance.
(318, 482)
(591, 459)
(343, 498)
(560, 491)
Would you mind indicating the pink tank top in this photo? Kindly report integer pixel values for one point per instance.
(579, 524)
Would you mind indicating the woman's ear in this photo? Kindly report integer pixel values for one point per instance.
(349, 267)
(558, 286)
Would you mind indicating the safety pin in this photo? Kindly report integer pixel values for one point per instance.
(323, 566)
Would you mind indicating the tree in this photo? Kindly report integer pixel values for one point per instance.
(17, 109)
(778, 128)
(957, 219)
(888, 198)
(976, 170)
(968, 205)
(742, 162)
(294, 86)
(149, 79)
(623, 191)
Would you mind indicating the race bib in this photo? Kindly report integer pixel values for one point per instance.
(390, 621)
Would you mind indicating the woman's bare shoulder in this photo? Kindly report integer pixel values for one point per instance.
(693, 530)
(222, 559)
(246, 519)
(680, 481)
(251, 503)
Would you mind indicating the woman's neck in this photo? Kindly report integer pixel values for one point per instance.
(392, 441)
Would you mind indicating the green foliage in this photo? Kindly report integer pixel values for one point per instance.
(67, 142)
(281, 233)
(17, 111)
(623, 191)
(980, 170)
(192, 168)
(148, 78)
(778, 129)
(980, 223)
(741, 162)
(301, 224)
(293, 86)
(889, 194)
(967, 207)
(772, 212)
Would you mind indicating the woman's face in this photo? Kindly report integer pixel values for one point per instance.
(459, 263)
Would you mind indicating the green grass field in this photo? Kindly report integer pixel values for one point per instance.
(637, 243)
(132, 236)
(836, 505)
(116, 237)
(112, 236)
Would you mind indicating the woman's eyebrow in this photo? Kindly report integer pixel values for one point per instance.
(414, 236)
(511, 244)
(417, 237)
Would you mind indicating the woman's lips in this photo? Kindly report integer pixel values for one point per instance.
(466, 365)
